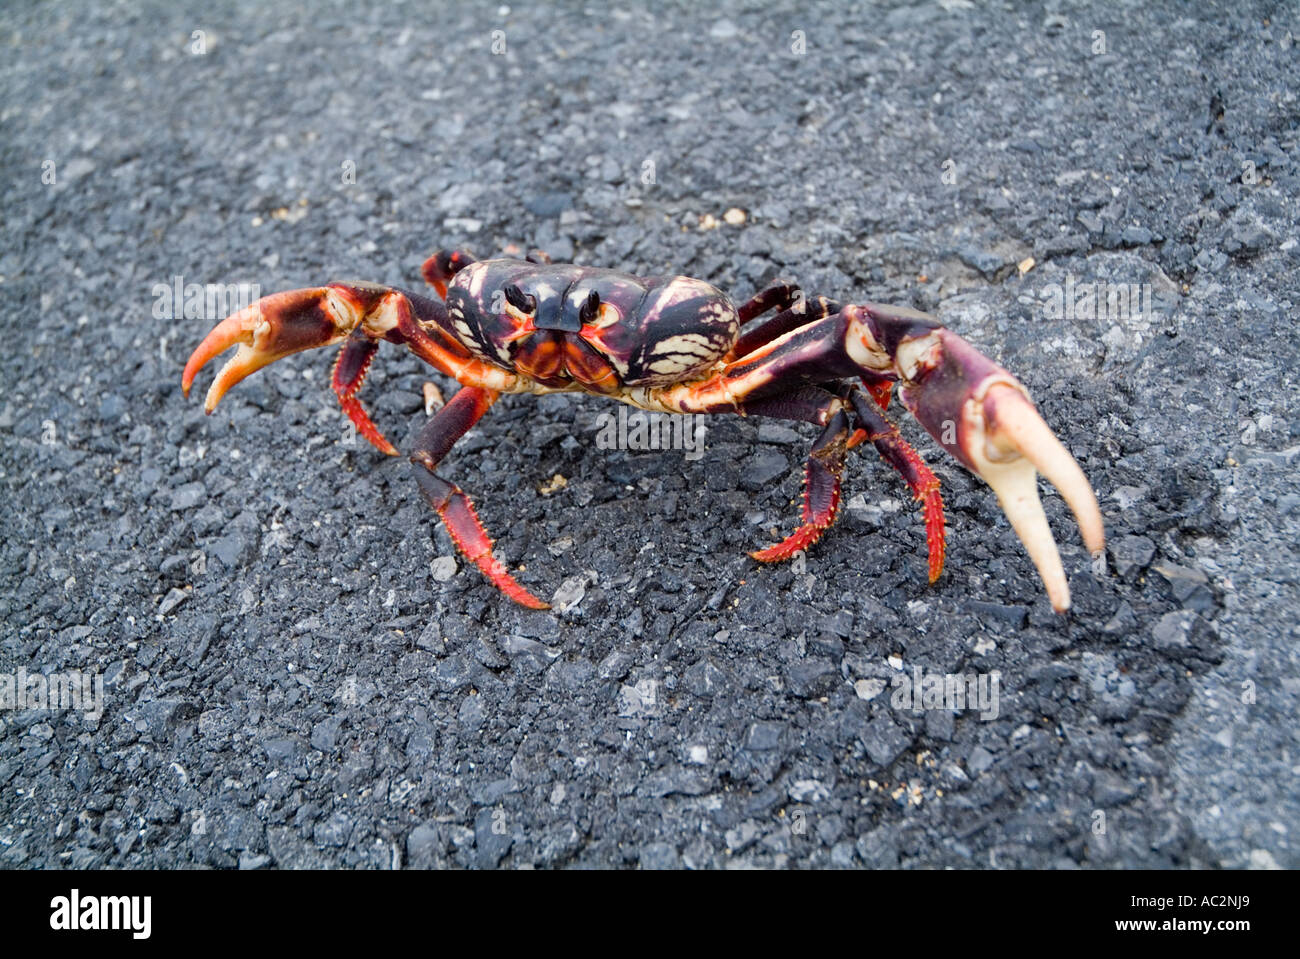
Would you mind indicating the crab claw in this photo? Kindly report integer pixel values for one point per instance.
(271, 328)
(983, 416)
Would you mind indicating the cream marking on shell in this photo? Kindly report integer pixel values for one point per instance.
(677, 363)
(463, 331)
(720, 313)
(614, 360)
(544, 291)
(474, 275)
(694, 344)
(678, 290)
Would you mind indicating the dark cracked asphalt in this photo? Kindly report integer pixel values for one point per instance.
(298, 672)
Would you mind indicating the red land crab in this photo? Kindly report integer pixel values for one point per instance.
(678, 345)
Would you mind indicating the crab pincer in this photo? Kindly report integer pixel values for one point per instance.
(983, 416)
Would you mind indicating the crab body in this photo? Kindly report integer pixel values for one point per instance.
(679, 345)
(573, 327)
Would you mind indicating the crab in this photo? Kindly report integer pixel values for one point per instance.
(674, 344)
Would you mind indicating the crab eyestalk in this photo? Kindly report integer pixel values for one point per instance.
(270, 329)
(983, 416)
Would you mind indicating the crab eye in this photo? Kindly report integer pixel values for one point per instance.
(590, 308)
(520, 300)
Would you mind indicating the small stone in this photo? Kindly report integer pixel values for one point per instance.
(334, 831)
(660, 855)
(743, 836)
(704, 679)
(842, 855)
(723, 30)
(884, 740)
(1183, 634)
(985, 261)
(1124, 621)
(492, 837)
(472, 712)
(809, 791)
(763, 736)
(325, 734)
(1109, 789)
(998, 613)
(549, 204)
(761, 468)
(1131, 555)
(1262, 859)
(173, 599)
(232, 549)
(979, 760)
(769, 432)
(1187, 584)
(443, 568)
(735, 216)
(188, 496)
(425, 845)
(280, 749)
(569, 594)
(811, 677)
(869, 689)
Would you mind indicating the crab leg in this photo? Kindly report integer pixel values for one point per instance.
(455, 508)
(349, 372)
(978, 411)
(821, 491)
(899, 454)
(778, 296)
(790, 318)
(825, 466)
(443, 265)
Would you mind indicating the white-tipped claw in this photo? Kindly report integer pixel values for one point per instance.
(1009, 450)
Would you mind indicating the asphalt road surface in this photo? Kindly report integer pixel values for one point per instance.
(298, 670)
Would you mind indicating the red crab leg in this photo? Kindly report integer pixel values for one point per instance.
(452, 505)
(821, 491)
(443, 265)
(821, 497)
(899, 454)
(349, 372)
